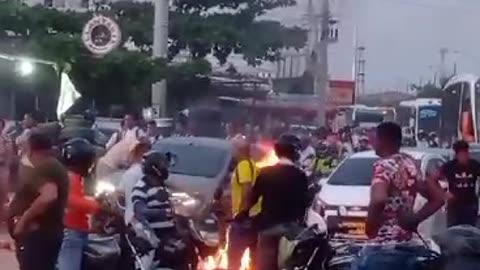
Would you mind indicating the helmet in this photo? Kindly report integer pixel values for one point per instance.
(322, 149)
(156, 164)
(288, 144)
(78, 155)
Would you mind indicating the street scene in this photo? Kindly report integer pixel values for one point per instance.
(239, 135)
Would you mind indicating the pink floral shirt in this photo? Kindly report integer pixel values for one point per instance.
(400, 173)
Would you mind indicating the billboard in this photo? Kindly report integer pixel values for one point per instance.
(341, 93)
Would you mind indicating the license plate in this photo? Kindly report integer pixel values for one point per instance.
(355, 228)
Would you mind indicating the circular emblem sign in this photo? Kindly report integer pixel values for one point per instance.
(101, 35)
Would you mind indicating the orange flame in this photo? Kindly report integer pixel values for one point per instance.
(269, 159)
(220, 260)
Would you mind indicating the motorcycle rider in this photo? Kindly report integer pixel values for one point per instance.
(325, 161)
(78, 155)
(391, 221)
(307, 152)
(462, 174)
(154, 212)
(363, 144)
(283, 189)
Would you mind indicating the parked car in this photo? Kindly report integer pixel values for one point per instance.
(344, 196)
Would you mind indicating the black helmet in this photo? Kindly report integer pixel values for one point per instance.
(322, 149)
(288, 146)
(156, 164)
(78, 155)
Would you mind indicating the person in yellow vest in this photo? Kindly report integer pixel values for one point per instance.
(325, 161)
(241, 234)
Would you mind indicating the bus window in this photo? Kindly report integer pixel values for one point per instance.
(451, 121)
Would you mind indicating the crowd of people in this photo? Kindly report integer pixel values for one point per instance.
(48, 217)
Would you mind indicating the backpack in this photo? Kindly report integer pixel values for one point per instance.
(251, 167)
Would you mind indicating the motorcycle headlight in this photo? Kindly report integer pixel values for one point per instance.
(184, 203)
(103, 187)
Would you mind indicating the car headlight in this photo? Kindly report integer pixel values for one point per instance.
(104, 187)
(184, 204)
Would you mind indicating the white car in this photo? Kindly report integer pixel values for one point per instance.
(344, 196)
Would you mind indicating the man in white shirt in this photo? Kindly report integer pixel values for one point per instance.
(130, 130)
(132, 176)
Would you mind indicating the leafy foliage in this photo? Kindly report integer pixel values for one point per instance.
(125, 76)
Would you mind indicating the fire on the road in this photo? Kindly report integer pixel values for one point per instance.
(220, 261)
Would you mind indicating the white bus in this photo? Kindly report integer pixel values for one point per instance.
(426, 114)
(365, 116)
(461, 109)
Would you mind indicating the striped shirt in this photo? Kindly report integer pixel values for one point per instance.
(156, 199)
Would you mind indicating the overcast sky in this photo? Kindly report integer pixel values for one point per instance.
(402, 38)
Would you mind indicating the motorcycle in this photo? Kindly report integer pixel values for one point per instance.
(460, 248)
(307, 248)
(104, 250)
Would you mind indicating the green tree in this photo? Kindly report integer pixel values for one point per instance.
(124, 77)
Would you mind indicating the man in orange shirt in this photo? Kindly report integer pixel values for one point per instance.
(78, 156)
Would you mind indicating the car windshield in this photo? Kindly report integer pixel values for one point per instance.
(195, 160)
(355, 172)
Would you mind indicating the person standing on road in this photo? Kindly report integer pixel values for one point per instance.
(391, 221)
(79, 156)
(132, 175)
(6, 156)
(462, 174)
(243, 178)
(282, 190)
(130, 131)
(37, 210)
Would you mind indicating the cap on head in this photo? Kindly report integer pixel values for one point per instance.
(461, 146)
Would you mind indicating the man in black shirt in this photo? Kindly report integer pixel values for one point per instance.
(37, 210)
(283, 192)
(462, 174)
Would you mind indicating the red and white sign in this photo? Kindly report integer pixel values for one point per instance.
(341, 93)
(101, 35)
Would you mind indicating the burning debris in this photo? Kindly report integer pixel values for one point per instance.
(220, 261)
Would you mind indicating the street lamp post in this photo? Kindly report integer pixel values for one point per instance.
(25, 68)
(160, 49)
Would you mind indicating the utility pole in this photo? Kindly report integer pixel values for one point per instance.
(360, 70)
(320, 62)
(160, 50)
(443, 56)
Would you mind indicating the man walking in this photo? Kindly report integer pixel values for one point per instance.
(391, 221)
(37, 210)
(462, 174)
(6, 155)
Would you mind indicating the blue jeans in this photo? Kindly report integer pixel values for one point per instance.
(71, 252)
(400, 257)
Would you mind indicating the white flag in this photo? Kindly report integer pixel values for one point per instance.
(68, 95)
